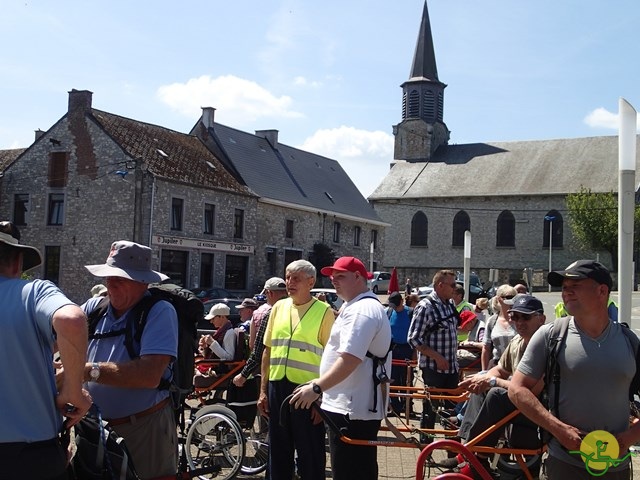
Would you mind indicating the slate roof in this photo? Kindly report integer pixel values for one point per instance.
(544, 167)
(169, 154)
(8, 156)
(292, 176)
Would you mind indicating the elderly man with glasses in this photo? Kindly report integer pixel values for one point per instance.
(489, 402)
(433, 333)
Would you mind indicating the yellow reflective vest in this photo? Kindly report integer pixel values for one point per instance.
(561, 310)
(296, 354)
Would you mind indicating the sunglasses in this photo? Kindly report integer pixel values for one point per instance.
(507, 297)
(515, 316)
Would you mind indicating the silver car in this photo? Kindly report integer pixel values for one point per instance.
(380, 282)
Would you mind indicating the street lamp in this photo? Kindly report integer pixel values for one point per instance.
(550, 219)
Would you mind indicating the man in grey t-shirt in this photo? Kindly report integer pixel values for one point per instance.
(596, 364)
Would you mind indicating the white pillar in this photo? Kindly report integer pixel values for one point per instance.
(467, 264)
(626, 206)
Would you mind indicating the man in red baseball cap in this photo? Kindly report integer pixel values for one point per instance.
(349, 395)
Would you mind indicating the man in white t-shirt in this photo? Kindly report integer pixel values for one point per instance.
(349, 396)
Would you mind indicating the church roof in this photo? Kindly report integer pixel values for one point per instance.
(541, 167)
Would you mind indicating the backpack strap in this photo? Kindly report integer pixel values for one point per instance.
(136, 321)
(378, 378)
(378, 362)
(552, 368)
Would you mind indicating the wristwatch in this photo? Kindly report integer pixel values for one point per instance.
(316, 388)
(493, 381)
(94, 373)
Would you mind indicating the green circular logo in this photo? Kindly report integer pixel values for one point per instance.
(599, 450)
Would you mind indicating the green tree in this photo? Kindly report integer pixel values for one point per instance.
(594, 221)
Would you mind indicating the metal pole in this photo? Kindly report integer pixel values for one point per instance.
(467, 264)
(626, 206)
(550, 244)
(550, 219)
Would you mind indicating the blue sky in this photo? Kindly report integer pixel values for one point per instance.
(325, 74)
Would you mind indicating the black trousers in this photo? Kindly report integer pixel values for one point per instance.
(293, 433)
(435, 379)
(402, 351)
(349, 462)
(45, 460)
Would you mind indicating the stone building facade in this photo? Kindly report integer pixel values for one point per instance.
(95, 177)
(213, 216)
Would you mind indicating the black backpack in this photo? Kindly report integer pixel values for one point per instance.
(100, 453)
(189, 310)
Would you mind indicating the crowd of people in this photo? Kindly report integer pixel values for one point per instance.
(327, 364)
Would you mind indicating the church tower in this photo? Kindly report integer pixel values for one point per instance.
(422, 129)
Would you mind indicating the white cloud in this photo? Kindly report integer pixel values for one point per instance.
(301, 81)
(239, 102)
(603, 118)
(364, 155)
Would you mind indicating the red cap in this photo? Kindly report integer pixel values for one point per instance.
(347, 264)
(466, 317)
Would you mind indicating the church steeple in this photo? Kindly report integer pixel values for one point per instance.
(422, 129)
(424, 58)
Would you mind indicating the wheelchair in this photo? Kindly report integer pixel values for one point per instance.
(225, 435)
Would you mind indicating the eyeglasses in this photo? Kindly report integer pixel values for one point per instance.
(507, 297)
(515, 316)
(10, 229)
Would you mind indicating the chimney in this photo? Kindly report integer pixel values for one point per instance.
(39, 133)
(270, 135)
(208, 116)
(80, 100)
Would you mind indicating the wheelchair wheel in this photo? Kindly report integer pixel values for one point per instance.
(214, 442)
(256, 446)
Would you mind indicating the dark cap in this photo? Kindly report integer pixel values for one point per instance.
(395, 299)
(526, 304)
(580, 270)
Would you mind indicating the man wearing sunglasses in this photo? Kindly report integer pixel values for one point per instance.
(489, 402)
(433, 332)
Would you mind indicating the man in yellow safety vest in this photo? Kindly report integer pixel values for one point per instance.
(298, 329)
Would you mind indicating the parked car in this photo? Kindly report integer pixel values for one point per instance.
(332, 297)
(476, 288)
(205, 294)
(234, 315)
(423, 291)
(380, 282)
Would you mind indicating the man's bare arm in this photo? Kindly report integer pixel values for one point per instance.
(521, 393)
(142, 372)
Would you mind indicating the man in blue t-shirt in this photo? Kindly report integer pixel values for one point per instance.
(400, 319)
(37, 320)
